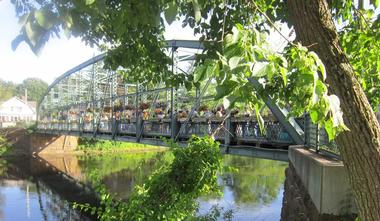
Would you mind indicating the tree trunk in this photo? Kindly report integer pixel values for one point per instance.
(360, 147)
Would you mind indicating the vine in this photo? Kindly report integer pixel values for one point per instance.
(170, 192)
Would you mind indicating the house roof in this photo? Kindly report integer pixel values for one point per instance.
(6, 107)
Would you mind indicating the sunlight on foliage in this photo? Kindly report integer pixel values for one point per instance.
(294, 78)
(170, 193)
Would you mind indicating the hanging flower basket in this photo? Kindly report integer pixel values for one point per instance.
(144, 106)
(158, 111)
(129, 107)
(118, 108)
(203, 108)
(162, 105)
(107, 109)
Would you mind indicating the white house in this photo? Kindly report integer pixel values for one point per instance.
(17, 110)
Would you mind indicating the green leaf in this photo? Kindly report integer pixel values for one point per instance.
(259, 118)
(314, 115)
(200, 73)
(260, 69)
(375, 3)
(233, 62)
(222, 59)
(229, 101)
(212, 69)
(90, 2)
(171, 12)
(320, 65)
(320, 88)
(15, 42)
(44, 18)
(283, 72)
(329, 127)
(225, 89)
(31, 33)
(23, 19)
(337, 114)
(197, 10)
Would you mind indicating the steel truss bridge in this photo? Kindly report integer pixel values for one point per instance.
(93, 102)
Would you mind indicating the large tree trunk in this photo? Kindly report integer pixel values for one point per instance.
(360, 147)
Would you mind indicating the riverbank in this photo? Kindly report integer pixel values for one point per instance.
(21, 142)
(98, 146)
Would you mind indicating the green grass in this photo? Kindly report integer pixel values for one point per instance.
(91, 144)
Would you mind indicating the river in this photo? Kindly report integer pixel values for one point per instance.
(37, 188)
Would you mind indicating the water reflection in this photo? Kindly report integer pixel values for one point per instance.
(254, 192)
(23, 197)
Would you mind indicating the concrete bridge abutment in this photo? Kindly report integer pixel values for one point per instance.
(41, 143)
(316, 188)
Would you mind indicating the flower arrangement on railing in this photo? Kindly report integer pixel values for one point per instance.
(144, 106)
(158, 110)
(161, 105)
(118, 107)
(129, 107)
(107, 109)
(159, 113)
(203, 108)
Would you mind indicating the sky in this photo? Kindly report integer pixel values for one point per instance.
(58, 55)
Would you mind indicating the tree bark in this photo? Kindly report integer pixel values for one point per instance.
(360, 147)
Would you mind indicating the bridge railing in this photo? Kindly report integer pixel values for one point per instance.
(234, 131)
(317, 138)
(248, 130)
(157, 127)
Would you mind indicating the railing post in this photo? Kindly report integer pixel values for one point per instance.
(137, 115)
(139, 128)
(317, 138)
(228, 136)
(173, 120)
(305, 127)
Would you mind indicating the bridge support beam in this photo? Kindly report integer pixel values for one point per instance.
(41, 143)
(228, 132)
(290, 125)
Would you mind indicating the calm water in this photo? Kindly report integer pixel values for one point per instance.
(29, 190)
(26, 198)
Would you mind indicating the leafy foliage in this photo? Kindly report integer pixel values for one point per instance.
(360, 40)
(4, 145)
(36, 88)
(7, 90)
(168, 193)
(234, 37)
(295, 78)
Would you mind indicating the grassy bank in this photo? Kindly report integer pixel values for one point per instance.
(90, 145)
